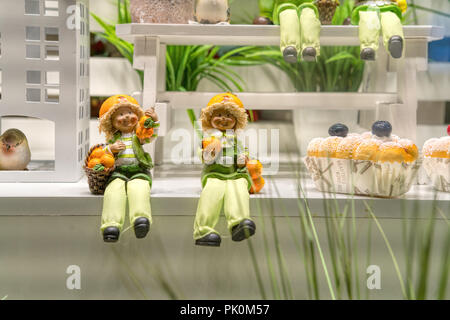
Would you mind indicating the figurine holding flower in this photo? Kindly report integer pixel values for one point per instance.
(127, 128)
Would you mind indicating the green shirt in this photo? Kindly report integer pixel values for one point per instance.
(225, 166)
(381, 6)
(272, 8)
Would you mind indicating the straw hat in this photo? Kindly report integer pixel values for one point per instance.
(110, 106)
(228, 102)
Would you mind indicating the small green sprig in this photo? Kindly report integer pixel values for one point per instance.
(99, 168)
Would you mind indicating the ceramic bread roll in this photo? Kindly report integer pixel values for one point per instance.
(436, 162)
(375, 163)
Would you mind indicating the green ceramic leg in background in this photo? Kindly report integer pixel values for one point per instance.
(393, 37)
(309, 30)
(369, 34)
(290, 34)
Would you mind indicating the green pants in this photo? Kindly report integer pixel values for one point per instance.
(370, 27)
(232, 195)
(136, 190)
(300, 31)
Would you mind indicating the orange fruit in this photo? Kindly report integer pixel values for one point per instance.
(254, 167)
(97, 153)
(107, 160)
(143, 133)
(257, 185)
(142, 121)
(224, 97)
(93, 162)
(207, 141)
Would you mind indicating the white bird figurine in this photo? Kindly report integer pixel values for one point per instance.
(212, 11)
(15, 153)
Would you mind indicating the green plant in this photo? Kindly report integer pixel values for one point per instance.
(186, 65)
(337, 69)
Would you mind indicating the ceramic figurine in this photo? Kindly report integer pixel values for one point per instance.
(127, 127)
(15, 153)
(225, 179)
(375, 16)
(212, 11)
(300, 27)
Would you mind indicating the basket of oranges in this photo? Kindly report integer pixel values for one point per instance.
(99, 165)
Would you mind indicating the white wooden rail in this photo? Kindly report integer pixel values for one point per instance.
(150, 42)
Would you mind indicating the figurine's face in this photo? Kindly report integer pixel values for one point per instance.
(223, 120)
(124, 119)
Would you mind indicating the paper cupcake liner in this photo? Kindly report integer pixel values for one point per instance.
(330, 174)
(387, 180)
(438, 170)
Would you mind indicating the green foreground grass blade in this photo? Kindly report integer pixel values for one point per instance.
(388, 245)
(257, 270)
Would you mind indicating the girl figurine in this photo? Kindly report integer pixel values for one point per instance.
(300, 27)
(121, 120)
(373, 16)
(225, 179)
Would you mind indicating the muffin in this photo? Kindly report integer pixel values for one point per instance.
(375, 163)
(436, 162)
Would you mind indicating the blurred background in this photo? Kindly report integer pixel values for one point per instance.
(111, 74)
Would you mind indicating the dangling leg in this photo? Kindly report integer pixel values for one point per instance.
(237, 210)
(369, 34)
(289, 32)
(114, 210)
(138, 191)
(310, 34)
(393, 36)
(208, 213)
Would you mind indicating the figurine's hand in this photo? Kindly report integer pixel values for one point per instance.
(211, 152)
(152, 114)
(117, 147)
(242, 161)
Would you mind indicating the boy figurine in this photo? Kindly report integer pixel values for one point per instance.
(300, 27)
(131, 179)
(375, 15)
(225, 179)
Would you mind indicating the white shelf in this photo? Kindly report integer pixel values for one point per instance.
(178, 195)
(284, 101)
(192, 34)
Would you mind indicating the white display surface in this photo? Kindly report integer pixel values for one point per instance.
(179, 196)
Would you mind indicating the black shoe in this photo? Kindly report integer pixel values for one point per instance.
(243, 230)
(309, 54)
(141, 227)
(368, 54)
(290, 54)
(210, 240)
(396, 47)
(111, 234)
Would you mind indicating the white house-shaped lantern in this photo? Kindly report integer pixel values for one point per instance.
(44, 74)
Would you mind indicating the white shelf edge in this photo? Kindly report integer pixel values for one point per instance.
(284, 101)
(179, 197)
(187, 34)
